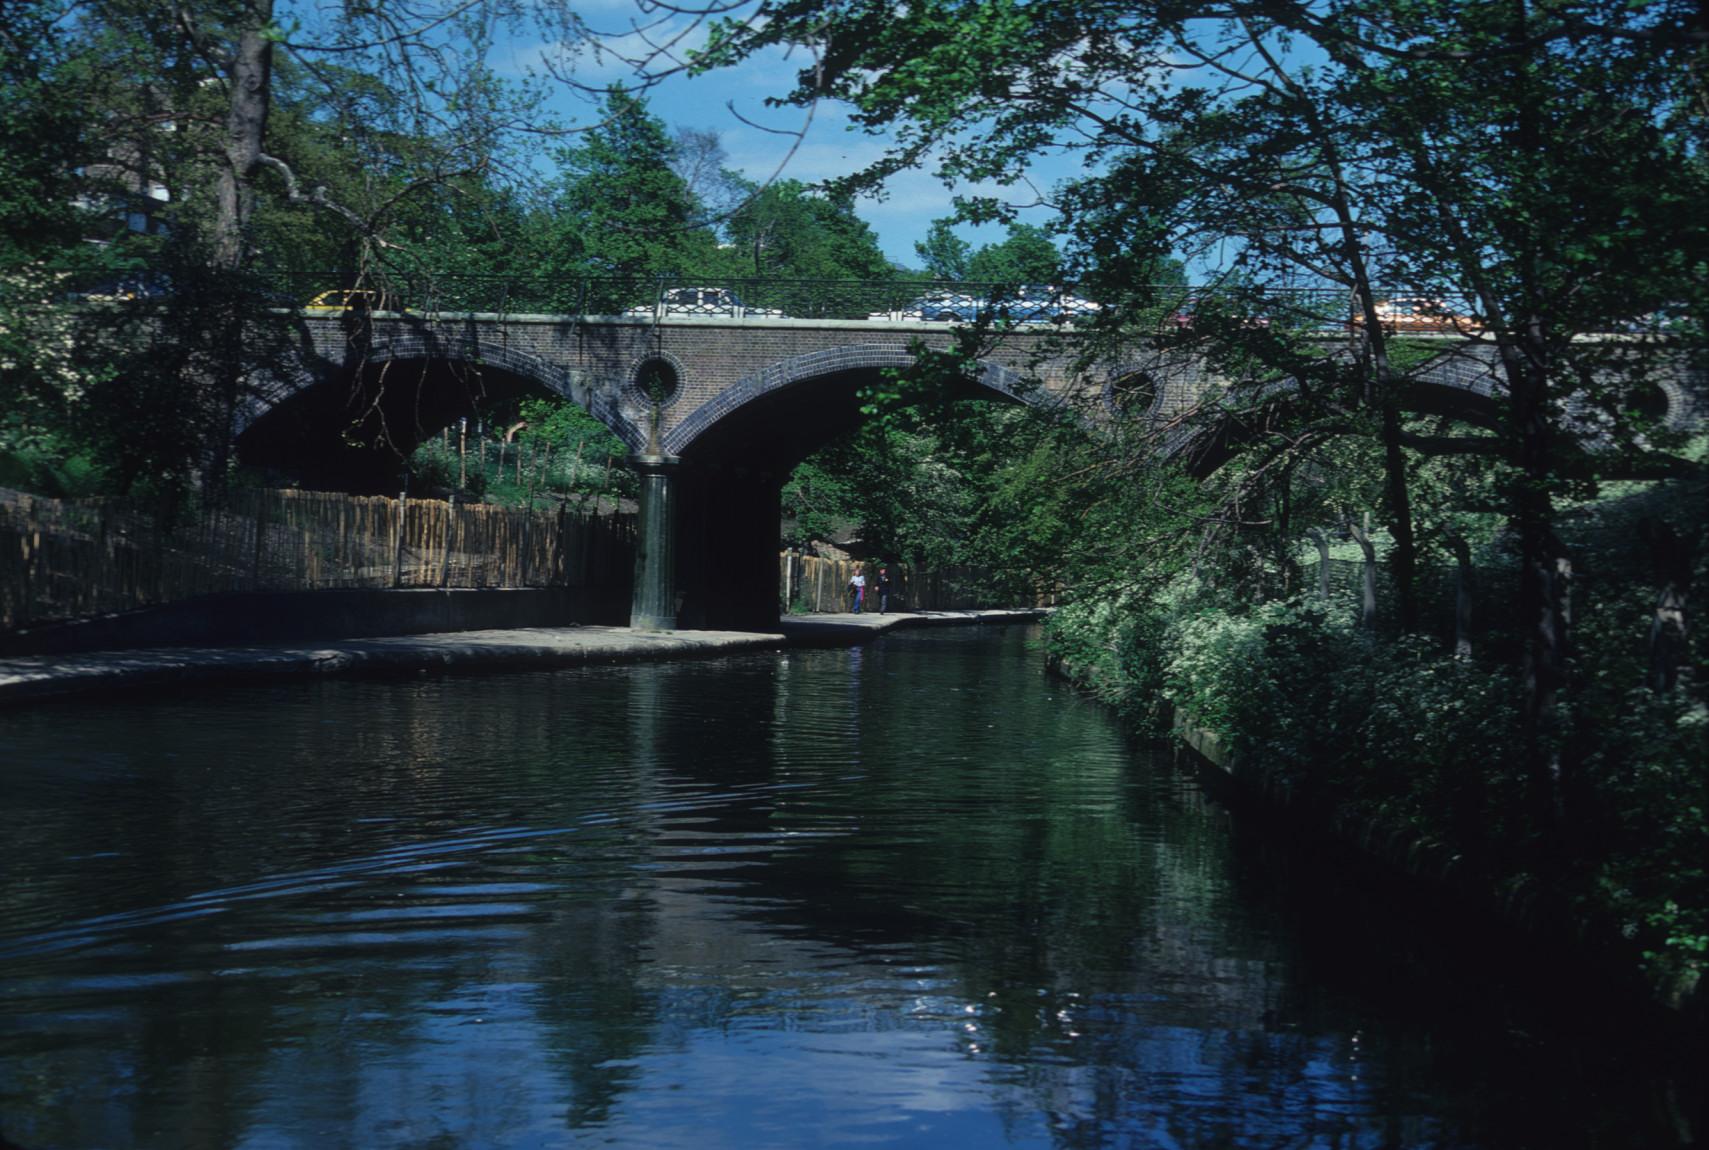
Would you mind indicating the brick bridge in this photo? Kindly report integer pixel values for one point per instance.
(716, 411)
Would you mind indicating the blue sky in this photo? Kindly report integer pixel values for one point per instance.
(830, 148)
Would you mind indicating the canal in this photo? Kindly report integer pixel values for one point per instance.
(909, 894)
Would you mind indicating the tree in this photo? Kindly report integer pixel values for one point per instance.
(1025, 256)
(46, 86)
(788, 230)
(620, 208)
(944, 254)
(700, 160)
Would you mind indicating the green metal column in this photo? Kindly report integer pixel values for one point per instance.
(654, 606)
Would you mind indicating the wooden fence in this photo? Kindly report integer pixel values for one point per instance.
(66, 559)
(809, 584)
(72, 559)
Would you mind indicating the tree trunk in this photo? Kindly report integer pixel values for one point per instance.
(1544, 593)
(1464, 589)
(249, 78)
(1670, 622)
(1321, 541)
(1368, 607)
(1403, 560)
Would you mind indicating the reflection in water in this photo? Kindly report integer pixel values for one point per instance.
(912, 894)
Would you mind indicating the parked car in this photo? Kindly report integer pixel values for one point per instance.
(1419, 314)
(339, 301)
(125, 288)
(942, 308)
(711, 301)
(1183, 319)
(1030, 303)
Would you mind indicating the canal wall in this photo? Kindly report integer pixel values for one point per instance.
(1523, 906)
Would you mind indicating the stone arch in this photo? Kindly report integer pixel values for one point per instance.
(831, 362)
(310, 419)
(470, 352)
(330, 360)
(1463, 383)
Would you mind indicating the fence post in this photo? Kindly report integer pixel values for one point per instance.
(260, 533)
(445, 556)
(25, 535)
(398, 542)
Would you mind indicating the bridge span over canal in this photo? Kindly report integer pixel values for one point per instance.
(716, 410)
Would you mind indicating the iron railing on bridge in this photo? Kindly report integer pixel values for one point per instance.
(1401, 309)
(902, 299)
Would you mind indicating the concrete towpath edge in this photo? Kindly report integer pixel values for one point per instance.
(28, 678)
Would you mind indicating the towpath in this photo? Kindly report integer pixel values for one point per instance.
(30, 677)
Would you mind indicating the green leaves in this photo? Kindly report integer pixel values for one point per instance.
(619, 207)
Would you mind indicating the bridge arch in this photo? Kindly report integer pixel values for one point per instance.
(798, 392)
(1464, 384)
(1458, 384)
(718, 483)
(348, 422)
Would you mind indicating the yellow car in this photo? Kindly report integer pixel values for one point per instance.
(338, 301)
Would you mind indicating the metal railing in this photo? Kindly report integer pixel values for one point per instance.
(903, 298)
(899, 300)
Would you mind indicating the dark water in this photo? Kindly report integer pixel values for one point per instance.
(908, 895)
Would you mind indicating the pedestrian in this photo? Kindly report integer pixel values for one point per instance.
(883, 589)
(857, 586)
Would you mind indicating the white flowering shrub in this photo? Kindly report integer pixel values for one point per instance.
(41, 379)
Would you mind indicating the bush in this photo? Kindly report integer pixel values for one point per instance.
(1401, 731)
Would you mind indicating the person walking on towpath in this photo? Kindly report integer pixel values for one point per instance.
(883, 590)
(857, 585)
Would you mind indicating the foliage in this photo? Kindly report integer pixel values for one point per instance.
(44, 382)
(516, 454)
(944, 254)
(786, 230)
(619, 208)
(1025, 256)
(46, 86)
(1398, 731)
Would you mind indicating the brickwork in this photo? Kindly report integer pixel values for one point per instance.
(720, 365)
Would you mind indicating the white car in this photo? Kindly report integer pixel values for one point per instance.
(1031, 303)
(710, 301)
